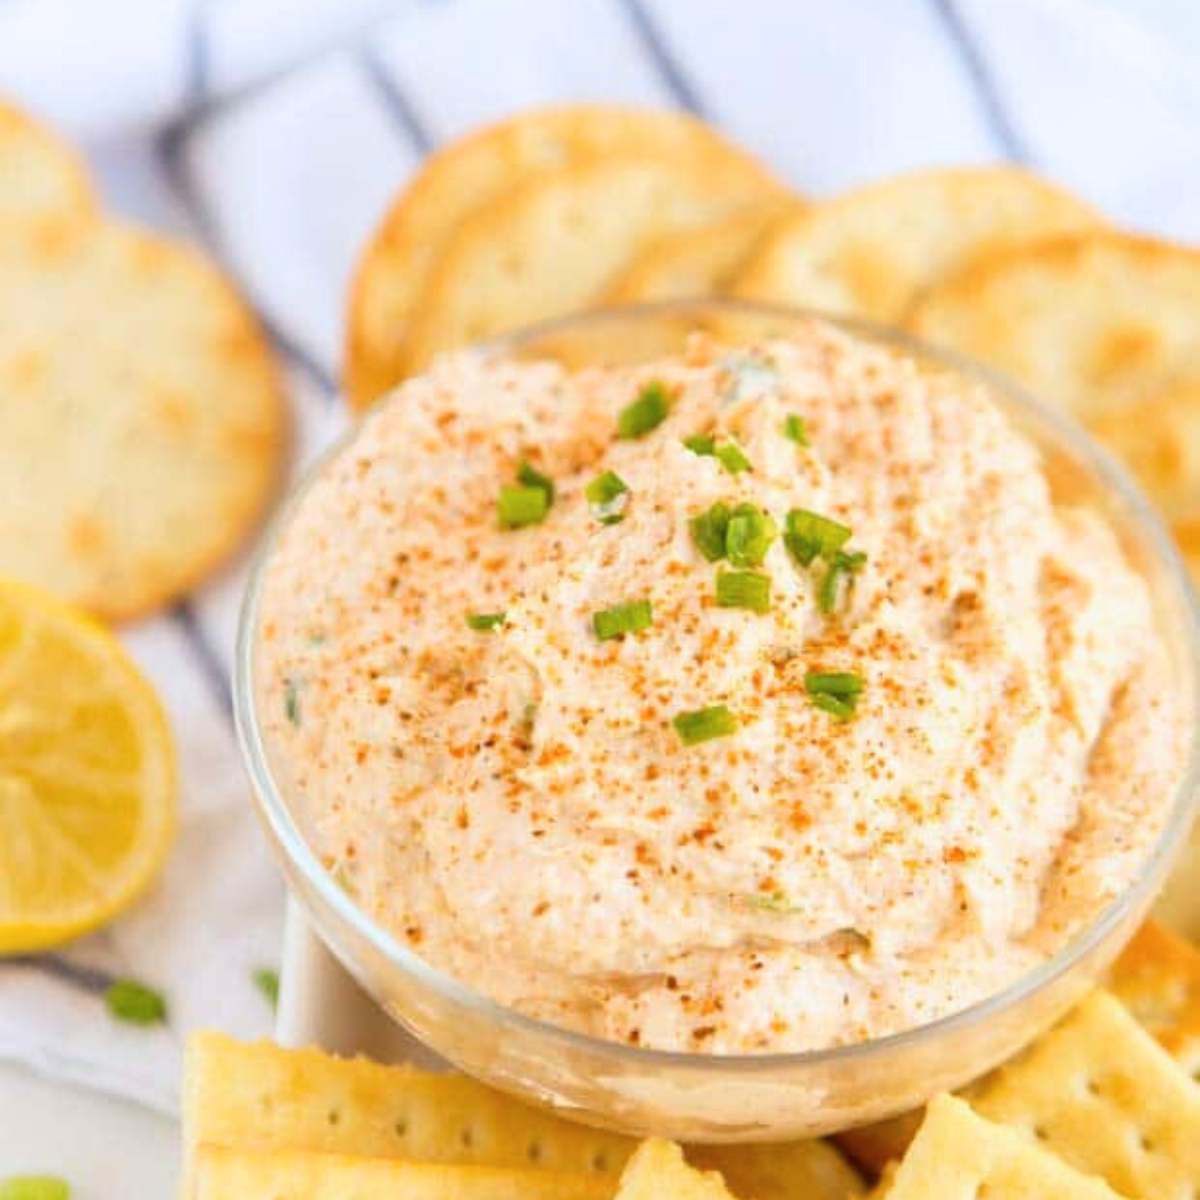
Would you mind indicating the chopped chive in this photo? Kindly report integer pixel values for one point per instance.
(608, 497)
(775, 902)
(482, 622)
(709, 529)
(703, 444)
(291, 701)
(134, 1002)
(809, 535)
(622, 618)
(795, 429)
(749, 535)
(521, 504)
(530, 476)
(744, 589)
(267, 982)
(645, 413)
(732, 458)
(843, 564)
(834, 692)
(34, 1187)
(704, 724)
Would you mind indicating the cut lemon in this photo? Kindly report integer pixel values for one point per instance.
(87, 773)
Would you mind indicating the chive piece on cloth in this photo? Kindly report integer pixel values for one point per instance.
(744, 589)
(522, 504)
(622, 618)
(644, 414)
(267, 982)
(709, 529)
(133, 1002)
(704, 724)
(809, 535)
(843, 565)
(795, 429)
(529, 476)
(835, 692)
(608, 498)
(34, 1187)
(749, 535)
(483, 622)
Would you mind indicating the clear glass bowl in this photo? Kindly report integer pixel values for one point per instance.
(703, 1097)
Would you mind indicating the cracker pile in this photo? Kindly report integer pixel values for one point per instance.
(1104, 1106)
(144, 423)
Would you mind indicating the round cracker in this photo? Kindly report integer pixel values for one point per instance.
(1095, 322)
(553, 245)
(45, 192)
(870, 252)
(143, 419)
(469, 175)
(698, 262)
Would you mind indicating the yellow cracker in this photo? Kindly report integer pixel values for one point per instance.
(552, 245)
(45, 193)
(957, 1155)
(803, 1170)
(1158, 979)
(1095, 322)
(658, 1171)
(1100, 1093)
(697, 262)
(1179, 905)
(224, 1174)
(870, 252)
(259, 1096)
(468, 176)
(143, 419)
(874, 1146)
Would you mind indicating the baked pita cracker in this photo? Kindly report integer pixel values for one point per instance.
(957, 1155)
(468, 176)
(872, 251)
(45, 194)
(552, 246)
(698, 262)
(144, 423)
(1157, 978)
(658, 1170)
(1097, 322)
(225, 1174)
(1100, 1093)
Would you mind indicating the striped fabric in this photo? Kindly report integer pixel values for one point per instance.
(274, 132)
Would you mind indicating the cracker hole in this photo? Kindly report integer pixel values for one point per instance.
(1146, 1143)
(333, 1116)
(533, 1152)
(466, 1137)
(1039, 1132)
(599, 1161)
(1091, 1086)
(401, 1128)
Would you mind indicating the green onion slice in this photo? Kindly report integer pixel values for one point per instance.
(709, 529)
(645, 413)
(732, 458)
(749, 535)
(134, 1002)
(482, 622)
(795, 429)
(34, 1187)
(744, 589)
(835, 692)
(704, 724)
(608, 497)
(614, 622)
(522, 504)
(843, 564)
(703, 444)
(809, 535)
(530, 476)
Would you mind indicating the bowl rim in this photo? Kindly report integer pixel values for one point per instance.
(1107, 470)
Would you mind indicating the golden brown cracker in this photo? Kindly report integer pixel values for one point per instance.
(225, 1174)
(1100, 1093)
(801, 1170)
(468, 176)
(1095, 322)
(698, 262)
(958, 1155)
(1179, 904)
(144, 422)
(551, 246)
(658, 1170)
(871, 252)
(46, 196)
(874, 1146)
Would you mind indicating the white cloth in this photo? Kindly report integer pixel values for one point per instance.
(275, 131)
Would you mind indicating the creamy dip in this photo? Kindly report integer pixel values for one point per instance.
(930, 738)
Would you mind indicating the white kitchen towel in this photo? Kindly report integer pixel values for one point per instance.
(274, 131)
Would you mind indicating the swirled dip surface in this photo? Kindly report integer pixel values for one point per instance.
(518, 803)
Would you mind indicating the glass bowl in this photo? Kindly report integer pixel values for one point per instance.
(705, 1097)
